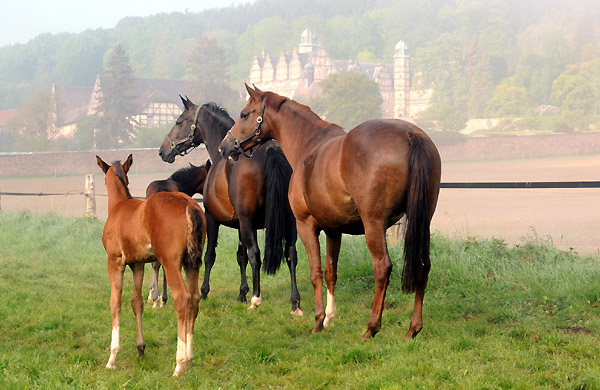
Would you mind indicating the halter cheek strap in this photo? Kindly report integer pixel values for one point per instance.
(239, 144)
(189, 138)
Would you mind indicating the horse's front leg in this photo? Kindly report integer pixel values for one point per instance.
(334, 242)
(248, 235)
(212, 235)
(242, 259)
(307, 230)
(137, 304)
(115, 274)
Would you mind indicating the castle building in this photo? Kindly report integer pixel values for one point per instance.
(297, 75)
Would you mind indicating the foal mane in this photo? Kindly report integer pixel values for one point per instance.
(121, 175)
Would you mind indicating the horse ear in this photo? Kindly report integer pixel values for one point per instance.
(252, 92)
(187, 103)
(104, 166)
(128, 163)
(256, 88)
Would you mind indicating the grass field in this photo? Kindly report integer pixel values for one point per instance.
(495, 318)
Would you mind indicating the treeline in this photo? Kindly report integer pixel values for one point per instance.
(493, 58)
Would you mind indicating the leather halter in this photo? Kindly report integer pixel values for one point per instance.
(189, 138)
(239, 144)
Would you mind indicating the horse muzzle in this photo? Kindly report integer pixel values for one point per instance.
(228, 150)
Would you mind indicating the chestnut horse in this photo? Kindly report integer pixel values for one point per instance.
(169, 227)
(247, 195)
(190, 181)
(360, 182)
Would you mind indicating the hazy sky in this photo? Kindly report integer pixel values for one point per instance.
(22, 20)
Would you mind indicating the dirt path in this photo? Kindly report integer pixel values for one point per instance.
(570, 218)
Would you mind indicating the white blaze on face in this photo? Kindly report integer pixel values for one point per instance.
(329, 310)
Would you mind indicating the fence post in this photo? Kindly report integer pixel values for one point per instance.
(90, 196)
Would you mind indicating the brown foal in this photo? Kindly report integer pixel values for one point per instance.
(169, 227)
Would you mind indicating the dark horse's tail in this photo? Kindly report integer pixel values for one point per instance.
(416, 241)
(196, 236)
(277, 180)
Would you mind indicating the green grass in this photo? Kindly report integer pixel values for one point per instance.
(494, 318)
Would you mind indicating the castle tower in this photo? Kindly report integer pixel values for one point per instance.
(401, 81)
(308, 41)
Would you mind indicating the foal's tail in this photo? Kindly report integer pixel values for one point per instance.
(277, 180)
(196, 236)
(416, 241)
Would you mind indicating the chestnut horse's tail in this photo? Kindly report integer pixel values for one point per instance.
(416, 241)
(277, 180)
(196, 236)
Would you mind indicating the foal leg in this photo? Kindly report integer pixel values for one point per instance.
(242, 259)
(212, 234)
(310, 238)
(291, 257)
(137, 304)
(115, 274)
(382, 268)
(182, 302)
(191, 277)
(333, 251)
(248, 234)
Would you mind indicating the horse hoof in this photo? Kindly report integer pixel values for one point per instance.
(242, 298)
(155, 305)
(328, 322)
(255, 302)
(411, 334)
(368, 335)
(297, 312)
(111, 366)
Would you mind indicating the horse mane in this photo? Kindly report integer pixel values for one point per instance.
(120, 174)
(310, 118)
(218, 113)
(186, 178)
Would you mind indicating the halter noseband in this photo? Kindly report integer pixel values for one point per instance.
(239, 144)
(190, 137)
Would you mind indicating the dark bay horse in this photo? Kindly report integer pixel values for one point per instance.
(190, 181)
(247, 195)
(169, 227)
(360, 182)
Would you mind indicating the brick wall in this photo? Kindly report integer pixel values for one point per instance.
(147, 160)
(71, 163)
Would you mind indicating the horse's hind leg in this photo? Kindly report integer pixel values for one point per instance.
(115, 274)
(181, 301)
(416, 324)
(382, 268)
(137, 304)
(191, 276)
(242, 259)
(212, 235)
(291, 257)
(333, 251)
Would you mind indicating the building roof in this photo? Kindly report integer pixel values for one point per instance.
(71, 102)
(7, 115)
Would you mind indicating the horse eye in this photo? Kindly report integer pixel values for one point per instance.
(178, 123)
(244, 115)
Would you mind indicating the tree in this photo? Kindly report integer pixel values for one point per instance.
(208, 70)
(116, 102)
(509, 100)
(33, 124)
(348, 99)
